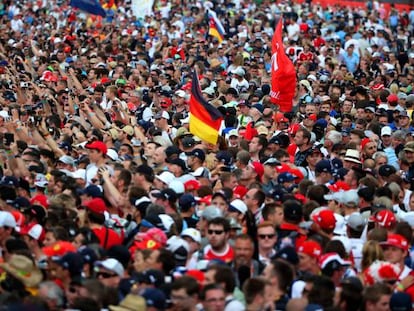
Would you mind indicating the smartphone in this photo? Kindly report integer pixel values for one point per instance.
(9, 138)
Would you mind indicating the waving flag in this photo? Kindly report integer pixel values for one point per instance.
(205, 119)
(90, 6)
(216, 28)
(283, 73)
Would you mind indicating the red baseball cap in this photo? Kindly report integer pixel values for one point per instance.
(192, 184)
(338, 186)
(98, 145)
(96, 205)
(364, 142)
(396, 240)
(258, 168)
(59, 249)
(325, 219)
(385, 218)
(240, 191)
(392, 98)
(35, 231)
(310, 248)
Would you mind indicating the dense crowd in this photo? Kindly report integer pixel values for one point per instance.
(108, 201)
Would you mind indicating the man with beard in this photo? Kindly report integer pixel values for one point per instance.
(218, 246)
(302, 140)
(244, 265)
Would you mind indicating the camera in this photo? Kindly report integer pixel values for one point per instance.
(24, 85)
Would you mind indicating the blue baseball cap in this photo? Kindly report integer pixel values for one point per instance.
(285, 177)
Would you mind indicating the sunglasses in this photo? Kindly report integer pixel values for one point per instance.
(105, 275)
(264, 236)
(216, 232)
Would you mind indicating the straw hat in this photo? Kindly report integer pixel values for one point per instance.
(23, 268)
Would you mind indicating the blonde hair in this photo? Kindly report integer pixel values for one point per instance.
(371, 252)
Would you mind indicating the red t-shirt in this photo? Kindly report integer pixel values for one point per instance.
(227, 256)
(113, 237)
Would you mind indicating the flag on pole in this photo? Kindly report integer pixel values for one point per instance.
(216, 28)
(91, 6)
(205, 119)
(283, 73)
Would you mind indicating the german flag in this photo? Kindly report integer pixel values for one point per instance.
(216, 28)
(205, 119)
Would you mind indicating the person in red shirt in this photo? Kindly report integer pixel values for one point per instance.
(96, 215)
(218, 235)
(306, 56)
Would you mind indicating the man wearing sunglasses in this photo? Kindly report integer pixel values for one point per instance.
(266, 235)
(218, 247)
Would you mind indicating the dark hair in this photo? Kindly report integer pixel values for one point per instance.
(322, 292)
(220, 221)
(208, 288)
(284, 274)
(253, 287)
(224, 274)
(188, 283)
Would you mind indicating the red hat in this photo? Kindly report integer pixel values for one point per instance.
(192, 184)
(327, 258)
(144, 244)
(396, 240)
(98, 145)
(206, 199)
(96, 205)
(258, 168)
(280, 118)
(196, 274)
(40, 199)
(240, 191)
(59, 249)
(310, 248)
(298, 173)
(19, 217)
(325, 219)
(392, 98)
(338, 186)
(364, 142)
(385, 218)
(283, 168)
(377, 87)
(300, 197)
(293, 128)
(105, 80)
(35, 231)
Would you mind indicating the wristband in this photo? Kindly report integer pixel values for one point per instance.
(400, 287)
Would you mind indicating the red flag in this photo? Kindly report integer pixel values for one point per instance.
(283, 73)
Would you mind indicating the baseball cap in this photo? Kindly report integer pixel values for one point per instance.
(166, 177)
(385, 218)
(96, 205)
(325, 219)
(395, 240)
(349, 197)
(323, 166)
(7, 220)
(285, 177)
(72, 261)
(130, 302)
(386, 170)
(98, 145)
(58, 249)
(332, 261)
(211, 212)
(198, 153)
(272, 161)
(180, 248)
(238, 205)
(310, 248)
(192, 233)
(113, 265)
(162, 115)
(154, 298)
(35, 231)
(339, 186)
(386, 131)
(225, 157)
(409, 146)
(356, 221)
(93, 191)
(40, 180)
(67, 160)
(179, 162)
(392, 98)
(289, 254)
(187, 201)
(152, 276)
(9, 181)
(165, 194)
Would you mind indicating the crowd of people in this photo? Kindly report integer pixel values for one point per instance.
(108, 201)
